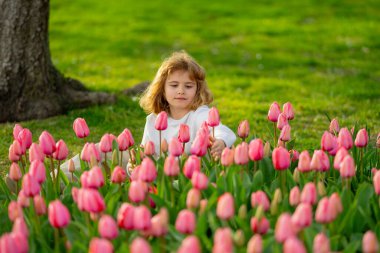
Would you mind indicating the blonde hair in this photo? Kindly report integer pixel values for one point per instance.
(153, 98)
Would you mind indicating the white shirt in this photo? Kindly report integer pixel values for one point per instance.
(194, 120)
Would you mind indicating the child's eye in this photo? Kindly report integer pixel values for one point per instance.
(173, 85)
(189, 86)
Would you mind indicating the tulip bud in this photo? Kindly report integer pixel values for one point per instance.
(148, 172)
(227, 157)
(175, 147)
(345, 139)
(213, 117)
(239, 238)
(142, 218)
(183, 133)
(98, 245)
(296, 175)
(190, 245)
(243, 129)
(19, 226)
(334, 126)
(47, 143)
(30, 185)
(347, 167)
(292, 245)
(285, 133)
(22, 199)
(303, 216)
(323, 213)
(192, 164)
(90, 200)
(304, 162)
(376, 182)
(294, 196)
(125, 216)
(275, 202)
(259, 226)
(39, 205)
(193, 198)
(16, 130)
(370, 243)
(25, 137)
(327, 141)
(284, 228)
(342, 152)
(137, 191)
(242, 212)
(256, 150)
(294, 155)
(105, 144)
(15, 172)
(59, 216)
(361, 138)
(241, 154)
(185, 222)
(255, 244)
(107, 227)
(199, 180)
(321, 244)
(259, 198)
(95, 178)
(287, 108)
(80, 128)
(125, 140)
(309, 194)
(149, 148)
(161, 121)
(223, 242)
(274, 112)
(225, 208)
(171, 166)
(61, 151)
(280, 158)
(35, 153)
(267, 149)
(140, 245)
(282, 121)
(14, 210)
(202, 206)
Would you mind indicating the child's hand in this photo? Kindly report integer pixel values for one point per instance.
(217, 146)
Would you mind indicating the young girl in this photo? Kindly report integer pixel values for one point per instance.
(180, 89)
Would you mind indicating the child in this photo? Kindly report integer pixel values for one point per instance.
(180, 89)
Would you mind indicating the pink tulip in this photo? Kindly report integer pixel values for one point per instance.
(260, 198)
(223, 242)
(39, 205)
(22, 199)
(241, 154)
(125, 140)
(118, 175)
(14, 152)
(345, 139)
(280, 158)
(243, 129)
(175, 147)
(292, 245)
(185, 222)
(95, 178)
(159, 224)
(303, 216)
(161, 121)
(335, 146)
(294, 155)
(285, 133)
(59, 215)
(171, 166)
(140, 245)
(80, 128)
(370, 243)
(90, 200)
(141, 218)
(61, 151)
(287, 108)
(340, 155)
(25, 137)
(213, 117)
(361, 138)
(149, 148)
(83, 179)
(294, 196)
(334, 126)
(323, 213)
(164, 146)
(328, 141)
(90, 150)
(259, 226)
(304, 161)
(347, 167)
(255, 244)
(99, 245)
(376, 182)
(225, 208)
(35, 153)
(184, 133)
(274, 112)
(136, 173)
(282, 121)
(125, 216)
(193, 198)
(105, 144)
(107, 227)
(199, 180)
(200, 144)
(227, 157)
(14, 242)
(16, 130)
(137, 191)
(38, 171)
(190, 245)
(74, 194)
(192, 164)
(256, 150)
(15, 172)
(309, 194)
(284, 228)
(320, 161)
(20, 227)
(30, 185)
(148, 172)
(14, 210)
(321, 244)
(336, 204)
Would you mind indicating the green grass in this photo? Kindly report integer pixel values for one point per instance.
(321, 56)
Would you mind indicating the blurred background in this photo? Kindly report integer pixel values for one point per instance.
(322, 56)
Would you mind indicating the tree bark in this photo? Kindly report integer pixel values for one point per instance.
(30, 86)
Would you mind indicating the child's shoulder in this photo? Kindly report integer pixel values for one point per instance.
(151, 117)
(202, 109)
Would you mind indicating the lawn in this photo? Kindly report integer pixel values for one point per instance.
(320, 56)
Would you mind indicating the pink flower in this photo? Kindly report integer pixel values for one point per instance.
(14, 242)
(241, 154)
(303, 216)
(14, 152)
(213, 117)
(142, 218)
(334, 149)
(159, 223)
(285, 133)
(199, 180)
(149, 148)
(334, 126)
(90, 150)
(30, 185)
(16, 130)
(309, 194)
(148, 172)
(225, 207)
(294, 196)
(260, 198)
(292, 245)
(294, 155)
(90, 200)
(25, 137)
(59, 216)
(335, 204)
(376, 182)
(185, 222)
(137, 191)
(95, 178)
(164, 146)
(259, 226)
(255, 244)
(274, 112)
(320, 161)
(243, 129)
(328, 141)
(15, 172)
(175, 147)
(35, 153)
(14, 210)
(282, 121)
(227, 157)
(199, 146)
(345, 139)
(118, 175)
(22, 199)
(125, 140)
(183, 133)
(61, 151)
(107, 227)
(47, 143)
(361, 138)
(19, 226)
(256, 150)
(99, 245)
(105, 144)
(161, 121)
(370, 243)
(342, 152)
(304, 161)
(321, 244)
(323, 213)
(190, 245)
(347, 167)
(80, 128)
(39, 205)
(287, 108)
(140, 245)
(171, 166)
(125, 216)
(280, 158)
(223, 242)
(192, 164)
(284, 228)
(193, 198)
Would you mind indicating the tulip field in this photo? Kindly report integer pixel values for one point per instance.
(259, 196)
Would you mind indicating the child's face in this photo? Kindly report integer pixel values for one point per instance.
(180, 90)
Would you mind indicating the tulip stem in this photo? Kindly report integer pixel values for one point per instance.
(159, 144)
(121, 158)
(57, 179)
(213, 132)
(171, 192)
(56, 240)
(283, 181)
(275, 134)
(361, 164)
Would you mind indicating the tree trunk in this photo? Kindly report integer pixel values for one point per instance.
(30, 86)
